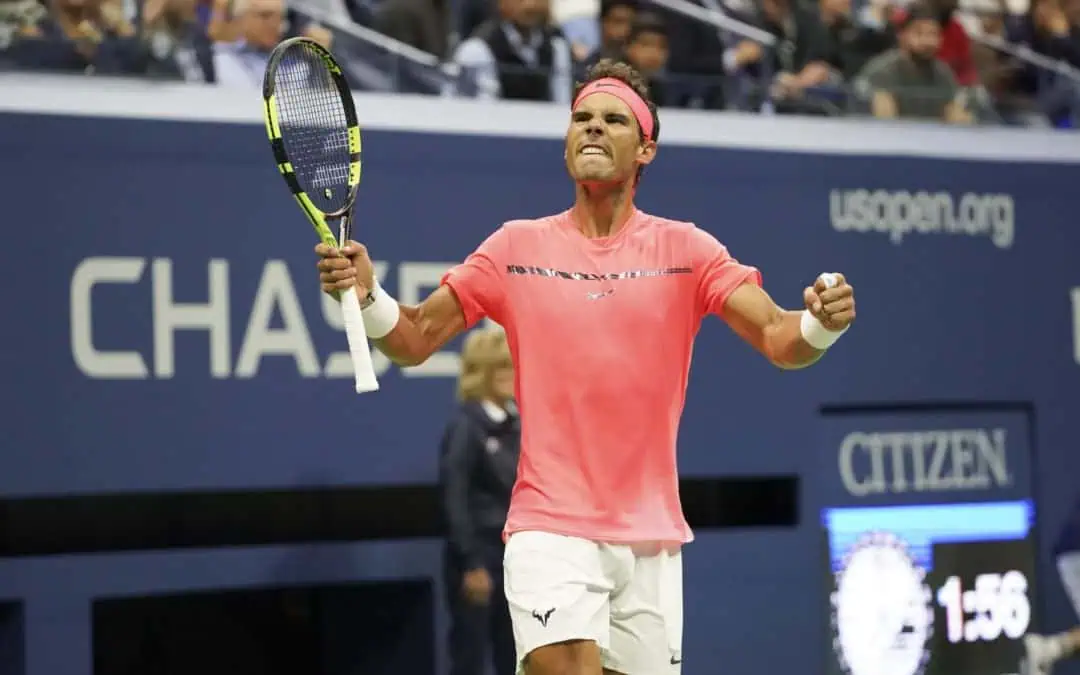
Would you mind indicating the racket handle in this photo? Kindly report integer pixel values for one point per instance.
(358, 342)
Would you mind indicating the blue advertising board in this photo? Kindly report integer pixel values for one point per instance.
(165, 329)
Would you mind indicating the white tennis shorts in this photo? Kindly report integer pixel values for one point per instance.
(628, 599)
(1069, 568)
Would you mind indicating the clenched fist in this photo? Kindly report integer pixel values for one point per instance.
(831, 300)
(342, 268)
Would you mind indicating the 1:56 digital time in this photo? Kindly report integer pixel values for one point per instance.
(996, 605)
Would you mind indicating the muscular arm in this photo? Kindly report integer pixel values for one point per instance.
(768, 328)
(423, 330)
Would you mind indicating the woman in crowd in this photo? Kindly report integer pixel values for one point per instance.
(478, 466)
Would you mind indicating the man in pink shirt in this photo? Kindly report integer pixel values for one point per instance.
(601, 304)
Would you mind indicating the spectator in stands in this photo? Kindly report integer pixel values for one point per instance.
(647, 51)
(696, 61)
(797, 62)
(854, 40)
(1047, 30)
(741, 59)
(910, 81)
(262, 25)
(693, 54)
(516, 56)
(616, 19)
(424, 24)
(222, 26)
(955, 48)
(178, 44)
(471, 14)
(477, 470)
(999, 72)
(86, 36)
(1072, 13)
(578, 21)
(243, 62)
(18, 18)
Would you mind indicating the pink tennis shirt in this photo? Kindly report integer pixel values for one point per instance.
(601, 332)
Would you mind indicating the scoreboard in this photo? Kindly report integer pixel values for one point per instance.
(928, 543)
(937, 589)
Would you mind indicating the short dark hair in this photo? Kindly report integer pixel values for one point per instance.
(607, 5)
(646, 23)
(626, 74)
(918, 11)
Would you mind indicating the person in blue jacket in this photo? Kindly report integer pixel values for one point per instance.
(478, 466)
(1042, 652)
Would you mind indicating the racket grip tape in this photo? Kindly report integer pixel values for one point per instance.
(359, 349)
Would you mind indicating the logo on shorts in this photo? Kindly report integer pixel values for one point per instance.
(881, 612)
(543, 617)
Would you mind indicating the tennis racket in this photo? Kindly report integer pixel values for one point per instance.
(314, 134)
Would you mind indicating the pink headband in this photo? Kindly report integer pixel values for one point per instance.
(623, 92)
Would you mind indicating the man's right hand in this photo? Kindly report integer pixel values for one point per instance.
(420, 331)
(340, 269)
(477, 586)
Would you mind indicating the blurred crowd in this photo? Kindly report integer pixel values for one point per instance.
(913, 59)
(216, 41)
(816, 57)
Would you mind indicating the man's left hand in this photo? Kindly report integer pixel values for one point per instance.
(831, 304)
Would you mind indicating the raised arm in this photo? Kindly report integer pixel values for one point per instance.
(787, 339)
(407, 335)
(422, 330)
(792, 339)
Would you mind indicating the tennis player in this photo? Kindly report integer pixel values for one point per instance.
(601, 304)
(1043, 652)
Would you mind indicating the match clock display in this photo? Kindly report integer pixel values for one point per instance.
(929, 590)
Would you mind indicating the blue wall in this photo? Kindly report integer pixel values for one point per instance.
(977, 318)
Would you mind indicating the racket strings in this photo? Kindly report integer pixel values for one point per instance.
(313, 127)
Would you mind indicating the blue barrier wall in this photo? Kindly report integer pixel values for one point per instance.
(165, 332)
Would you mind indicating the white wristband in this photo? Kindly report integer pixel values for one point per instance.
(381, 315)
(816, 335)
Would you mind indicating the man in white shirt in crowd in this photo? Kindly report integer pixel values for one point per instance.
(262, 24)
